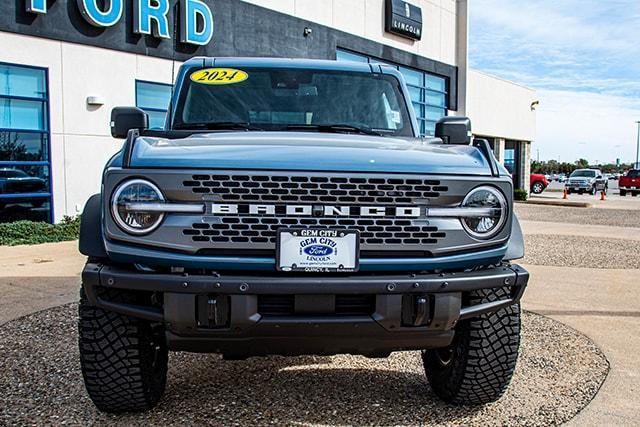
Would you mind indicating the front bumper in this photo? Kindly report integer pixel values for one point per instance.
(578, 185)
(312, 327)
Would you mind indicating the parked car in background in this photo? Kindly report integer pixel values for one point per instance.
(562, 178)
(16, 181)
(538, 183)
(586, 181)
(630, 183)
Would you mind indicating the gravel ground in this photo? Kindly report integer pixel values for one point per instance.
(584, 252)
(612, 217)
(558, 373)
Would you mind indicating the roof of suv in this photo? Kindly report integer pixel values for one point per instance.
(315, 64)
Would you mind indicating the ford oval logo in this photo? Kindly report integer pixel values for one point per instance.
(318, 250)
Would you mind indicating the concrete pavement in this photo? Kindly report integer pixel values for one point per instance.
(605, 306)
(602, 304)
(34, 278)
(582, 230)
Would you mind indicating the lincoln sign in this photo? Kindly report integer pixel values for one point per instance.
(403, 19)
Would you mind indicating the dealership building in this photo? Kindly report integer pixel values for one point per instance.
(64, 64)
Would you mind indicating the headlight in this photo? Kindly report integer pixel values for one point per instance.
(136, 221)
(491, 214)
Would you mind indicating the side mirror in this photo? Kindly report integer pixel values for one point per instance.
(123, 119)
(454, 130)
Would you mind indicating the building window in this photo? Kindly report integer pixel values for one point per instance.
(154, 99)
(428, 92)
(25, 163)
(512, 161)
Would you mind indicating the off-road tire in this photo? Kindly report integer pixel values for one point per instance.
(123, 359)
(477, 367)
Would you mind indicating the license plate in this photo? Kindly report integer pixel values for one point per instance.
(318, 250)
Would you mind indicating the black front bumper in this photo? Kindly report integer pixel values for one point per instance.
(311, 327)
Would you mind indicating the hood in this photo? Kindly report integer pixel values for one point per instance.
(307, 151)
(581, 179)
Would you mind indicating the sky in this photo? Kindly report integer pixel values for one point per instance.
(582, 57)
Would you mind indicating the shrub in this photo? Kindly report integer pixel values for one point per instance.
(33, 233)
(520, 195)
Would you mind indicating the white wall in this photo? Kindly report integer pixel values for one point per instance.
(499, 108)
(80, 137)
(365, 18)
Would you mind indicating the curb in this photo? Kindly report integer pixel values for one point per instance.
(565, 203)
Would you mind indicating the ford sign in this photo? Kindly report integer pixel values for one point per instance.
(318, 250)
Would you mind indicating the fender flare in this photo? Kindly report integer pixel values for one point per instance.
(91, 238)
(515, 247)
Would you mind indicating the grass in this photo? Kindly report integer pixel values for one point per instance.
(34, 233)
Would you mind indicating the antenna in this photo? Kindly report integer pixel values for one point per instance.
(174, 40)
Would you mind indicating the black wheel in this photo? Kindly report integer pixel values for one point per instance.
(123, 359)
(478, 365)
(537, 187)
(623, 193)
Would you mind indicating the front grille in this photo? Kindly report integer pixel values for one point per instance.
(314, 189)
(245, 209)
(345, 305)
(388, 231)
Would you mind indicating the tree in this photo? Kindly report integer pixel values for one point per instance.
(10, 147)
(582, 164)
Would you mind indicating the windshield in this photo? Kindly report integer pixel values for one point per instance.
(634, 174)
(587, 174)
(277, 99)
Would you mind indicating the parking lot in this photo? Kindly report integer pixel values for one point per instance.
(558, 187)
(581, 342)
(584, 268)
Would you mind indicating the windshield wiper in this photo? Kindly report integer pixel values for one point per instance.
(218, 126)
(337, 129)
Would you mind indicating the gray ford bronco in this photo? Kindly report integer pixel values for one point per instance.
(290, 207)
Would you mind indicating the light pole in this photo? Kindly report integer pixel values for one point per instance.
(637, 165)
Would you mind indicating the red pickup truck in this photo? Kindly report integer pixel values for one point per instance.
(538, 183)
(630, 183)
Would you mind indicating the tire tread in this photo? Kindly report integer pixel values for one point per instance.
(484, 358)
(116, 358)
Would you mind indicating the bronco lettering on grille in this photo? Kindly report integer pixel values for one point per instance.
(318, 211)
